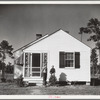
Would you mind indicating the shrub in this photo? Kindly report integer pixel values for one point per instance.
(3, 79)
(52, 80)
(9, 69)
(25, 83)
(10, 81)
(20, 81)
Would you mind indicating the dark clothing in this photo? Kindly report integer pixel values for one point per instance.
(44, 73)
(52, 70)
(44, 78)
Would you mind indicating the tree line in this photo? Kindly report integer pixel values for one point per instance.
(5, 49)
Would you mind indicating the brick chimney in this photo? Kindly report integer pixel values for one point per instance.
(38, 36)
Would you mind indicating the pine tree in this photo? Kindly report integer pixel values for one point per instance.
(5, 48)
(93, 28)
(94, 61)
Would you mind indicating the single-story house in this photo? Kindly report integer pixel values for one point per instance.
(70, 57)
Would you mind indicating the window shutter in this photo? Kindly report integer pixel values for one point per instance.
(77, 59)
(61, 60)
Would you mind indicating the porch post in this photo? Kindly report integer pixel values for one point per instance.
(30, 65)
(24, 66)
(41, 64)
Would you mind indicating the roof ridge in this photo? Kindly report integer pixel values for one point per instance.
(37, 40)
(43, 37)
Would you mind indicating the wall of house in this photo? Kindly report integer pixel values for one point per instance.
(18, 71)
(18, 67)
(61, 41)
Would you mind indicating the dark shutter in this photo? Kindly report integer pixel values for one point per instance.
(77, 59)
(61, 60)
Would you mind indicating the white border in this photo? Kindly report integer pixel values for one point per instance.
(49, 96)
(49, 2)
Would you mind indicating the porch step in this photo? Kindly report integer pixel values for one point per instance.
(36, 81)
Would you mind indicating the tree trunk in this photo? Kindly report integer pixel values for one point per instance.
(3, 72)
(93, 70)
(99, 56)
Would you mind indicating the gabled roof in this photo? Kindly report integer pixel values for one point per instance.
(43, 37)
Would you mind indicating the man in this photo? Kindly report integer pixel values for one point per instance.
(53, 78)
(44, 72)
(52, 71)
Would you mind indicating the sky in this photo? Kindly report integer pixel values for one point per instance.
(19, 24)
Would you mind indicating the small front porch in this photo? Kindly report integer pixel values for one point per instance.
(32, 68)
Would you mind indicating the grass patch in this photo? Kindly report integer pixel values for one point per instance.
(13, 89)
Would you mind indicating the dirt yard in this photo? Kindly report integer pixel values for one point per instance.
(13, 89)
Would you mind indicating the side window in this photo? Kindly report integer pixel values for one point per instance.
(69, 59)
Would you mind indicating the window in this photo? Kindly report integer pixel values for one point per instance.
(69, 59)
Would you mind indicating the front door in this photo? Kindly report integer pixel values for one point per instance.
(36, 65)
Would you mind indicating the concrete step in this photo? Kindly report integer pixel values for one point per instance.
(37, 81)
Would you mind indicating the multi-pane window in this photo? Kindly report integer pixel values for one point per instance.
(69, 59)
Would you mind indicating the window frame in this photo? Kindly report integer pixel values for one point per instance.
(65, 59)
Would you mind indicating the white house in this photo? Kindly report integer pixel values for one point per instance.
(70, 57)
